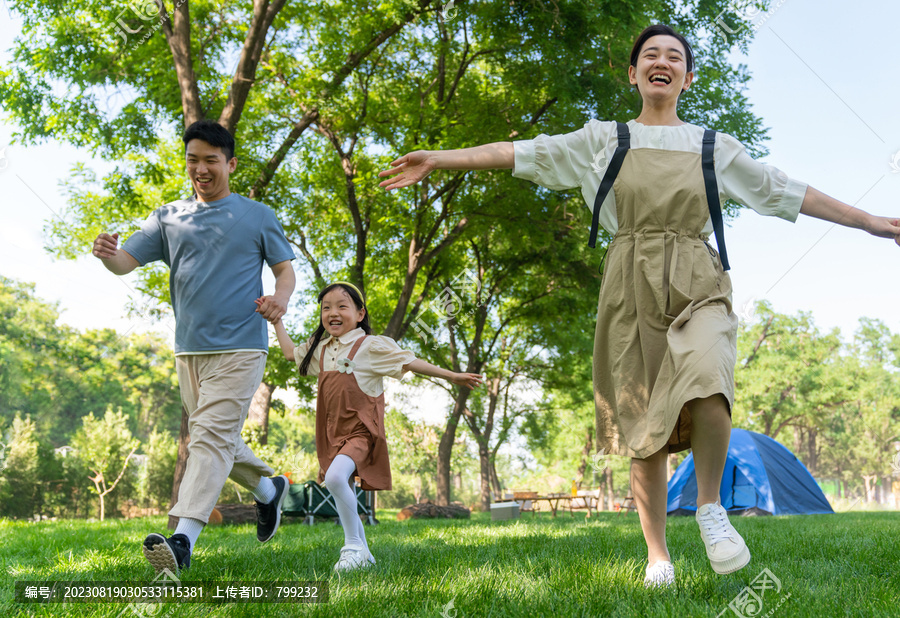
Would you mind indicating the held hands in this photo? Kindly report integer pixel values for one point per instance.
(105, 246)
(470, 380)
(271, 308)
(884, 227)
(408, 170)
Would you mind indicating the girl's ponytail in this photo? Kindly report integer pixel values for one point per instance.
(317, 336)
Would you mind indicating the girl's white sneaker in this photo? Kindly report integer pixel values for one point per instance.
(660, 574)
(353, 558)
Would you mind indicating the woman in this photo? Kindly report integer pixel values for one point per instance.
(665, 342)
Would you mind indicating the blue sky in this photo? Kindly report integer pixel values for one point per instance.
(824, 81)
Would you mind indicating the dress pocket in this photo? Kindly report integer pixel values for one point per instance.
(707, 273)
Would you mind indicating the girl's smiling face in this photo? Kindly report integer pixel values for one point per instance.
(339, 312)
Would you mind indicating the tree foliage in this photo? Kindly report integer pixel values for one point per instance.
(58, 375)
(321, 96)
(105, 445)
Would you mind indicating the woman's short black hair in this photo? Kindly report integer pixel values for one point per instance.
(213, 134)
(662, 29)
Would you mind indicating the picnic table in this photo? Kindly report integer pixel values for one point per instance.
(586, 499)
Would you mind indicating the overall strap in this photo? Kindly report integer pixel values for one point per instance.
(609, 177)
(355, 347)
(712, 193)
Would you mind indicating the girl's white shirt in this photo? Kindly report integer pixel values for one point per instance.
(378, 356)
(580, 158)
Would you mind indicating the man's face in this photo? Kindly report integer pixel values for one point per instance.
(208, 169)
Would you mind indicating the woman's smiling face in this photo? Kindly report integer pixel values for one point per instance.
(339, 312)
(661, 69)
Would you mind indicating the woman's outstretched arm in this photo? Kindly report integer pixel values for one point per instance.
(817, 204)
(413, 167)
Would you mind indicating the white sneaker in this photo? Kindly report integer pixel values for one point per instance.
(353, 558)
(725, 548)
(660, 574)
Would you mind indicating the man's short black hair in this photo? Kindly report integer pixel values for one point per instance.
(212, 133)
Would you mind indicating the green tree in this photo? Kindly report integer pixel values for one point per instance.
(874, 409)
(158, 469)
(785, 374)
(839, 402)
(30, 343)
(413, 449)
(57, 375)
(105, 446)
(20, 469)
(322, 96)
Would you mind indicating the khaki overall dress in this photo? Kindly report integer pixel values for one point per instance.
(350, 422)
(666, 332)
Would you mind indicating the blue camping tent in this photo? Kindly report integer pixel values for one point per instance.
(761, 477)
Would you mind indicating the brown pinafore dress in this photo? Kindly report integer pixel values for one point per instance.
(666, 332)
(350, 422)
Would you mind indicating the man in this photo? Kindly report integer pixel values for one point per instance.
(214, 243)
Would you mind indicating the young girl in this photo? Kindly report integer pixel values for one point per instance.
(350, 440)
(665, 342)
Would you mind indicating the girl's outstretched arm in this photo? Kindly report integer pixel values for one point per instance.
(817, 204)
(284, 340)
(470, 380)
(413, 167)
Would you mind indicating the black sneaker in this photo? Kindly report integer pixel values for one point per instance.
(172, 553)
(268, 516)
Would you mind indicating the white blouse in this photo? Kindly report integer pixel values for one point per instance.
(580, 158)
(378, 356)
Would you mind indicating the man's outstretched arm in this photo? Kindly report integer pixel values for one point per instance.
(116, 260)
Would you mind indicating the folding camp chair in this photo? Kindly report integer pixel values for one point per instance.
(295, 501)
(320, 502)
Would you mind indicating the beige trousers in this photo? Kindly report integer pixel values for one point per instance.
(216, 390)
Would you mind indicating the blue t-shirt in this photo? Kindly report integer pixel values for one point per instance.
(215, 251)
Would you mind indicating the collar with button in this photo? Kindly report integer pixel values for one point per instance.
(346, 338)
(331, 344)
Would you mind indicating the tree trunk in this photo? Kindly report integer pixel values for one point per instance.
(184, 439)
(585, 455)
(495, 480)
(610, 496)
(484, 459)
(417, 489)
(259, 410)
(870, 487)
(445, 448)
(813, 456)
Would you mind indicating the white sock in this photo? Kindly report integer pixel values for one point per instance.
(265, 491)
(337, 479)
(191, 528)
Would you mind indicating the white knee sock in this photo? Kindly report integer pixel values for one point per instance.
(337, 479)
(191, 528)
(265, 491)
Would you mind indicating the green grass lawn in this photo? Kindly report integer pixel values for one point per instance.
(846, 564)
